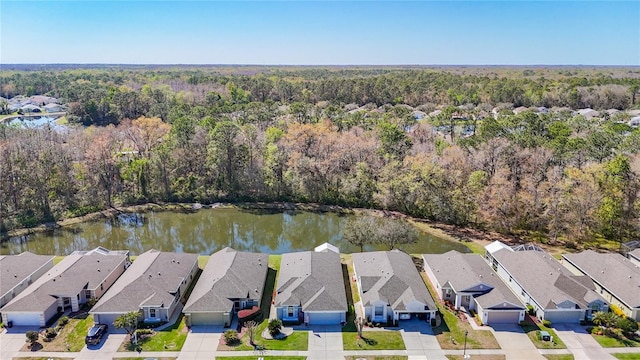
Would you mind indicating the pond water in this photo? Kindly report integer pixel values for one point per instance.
(208, 230)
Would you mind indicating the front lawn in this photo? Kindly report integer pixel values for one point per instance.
(477, 357)
(373, 340)
(299, 340)
(71, 337)
(379, 357)
(261, 357)
(169, 339)
(607, 341)
(533, 331)
(627, 356)
(559, 356)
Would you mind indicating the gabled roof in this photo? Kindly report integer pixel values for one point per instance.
(76, 272)
(496, 246)
(546, 280)
(470, 273)
(312, 280)
(635, 254)
(152, 280)
(15, 268)
(392, 277)
(614, 272)
(229, 275)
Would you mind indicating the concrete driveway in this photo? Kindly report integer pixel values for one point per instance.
(515, 343)
(420, 341)
(325, 342)
(10, 343)
(580, 343)
(105, 350)
(201, 343)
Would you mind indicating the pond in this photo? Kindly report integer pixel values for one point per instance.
(208, 230)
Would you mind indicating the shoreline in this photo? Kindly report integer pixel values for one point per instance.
(474, 239)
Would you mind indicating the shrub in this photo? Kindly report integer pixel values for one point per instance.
(231, 337)
(274, 327)
(546, 323)
(32, 336)
(627, 325)
(616, 310)
(50, 333)
(523, 323)
(530, 310)
(144, 332)
(64, 320)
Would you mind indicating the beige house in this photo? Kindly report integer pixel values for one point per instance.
(17, 272)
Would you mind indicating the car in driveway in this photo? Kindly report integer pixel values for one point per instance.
(95, 334)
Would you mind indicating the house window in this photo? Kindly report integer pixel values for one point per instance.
(101, 287)
(447, 293)
(152, 313)
(290, 311)
(466, 298)
(379, 310)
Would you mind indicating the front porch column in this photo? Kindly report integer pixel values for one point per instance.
(458, 299)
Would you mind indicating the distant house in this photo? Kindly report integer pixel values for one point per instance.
(390, 287)
(634, 256)
(17, 272)
(231, 281)
(520, 109)
(79, 277)
(31, 108)
(311, 287)
(588, 113)
(542, 282)
(41, 100)
(634, 122)
(466, 280)
(53, 108)
(153, 285)
(616, 278)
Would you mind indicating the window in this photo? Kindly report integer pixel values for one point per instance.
(290, 311)
(152, 313)
(447, 293)
(379, 310)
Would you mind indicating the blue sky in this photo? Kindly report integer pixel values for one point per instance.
(322, 33)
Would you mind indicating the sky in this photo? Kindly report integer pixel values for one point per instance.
(321, 33)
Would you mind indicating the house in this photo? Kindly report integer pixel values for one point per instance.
(520, 109)
(53, 108)
(390, 287)
(634, 122)
(616, 278)
(153, 285)
(311, 287)
(231, 281)
(541, 282)
(19, 271)
(466, 280)
(634, 256)
(78, 278)
(31, 108)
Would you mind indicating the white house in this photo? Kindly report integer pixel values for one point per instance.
(17, 272)
(153, 285)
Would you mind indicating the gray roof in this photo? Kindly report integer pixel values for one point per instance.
(153, 279)
(312, 280)
(15, 268)
(470, 273)
(546, 280)
(635, 253)
(392, 277)
(612, 271)
(229, 275)
(76, 272)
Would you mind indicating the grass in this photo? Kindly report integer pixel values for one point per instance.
(450, 332)
(274, 261)
(559, 356)
(143, 358)
(62, 120)
(607, 341)
(373, 340)
(202, 261)
(477, 357)
(262, 357)
(378, 357)
(169, 339)
(532, 331)
(627, 356)
(72, 334)
(57, 259)
(347, 260)
(39, 358)
(299, 340)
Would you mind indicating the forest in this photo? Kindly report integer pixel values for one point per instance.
(344, 136)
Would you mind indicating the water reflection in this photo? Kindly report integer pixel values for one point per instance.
(206, 231)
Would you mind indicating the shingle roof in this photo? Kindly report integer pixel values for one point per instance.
(77, 271)
(15, 268)
(229, 274)
(392, 277)
(151, 280)
(545, 279)
(613, 271)
(635, 254)
(470, 273)
(312, 280)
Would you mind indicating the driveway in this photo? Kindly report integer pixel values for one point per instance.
(105, 350)
(325, 342)
(10, 343)
(515, 343)
(580, 343)
(420, 341)
(202, 342)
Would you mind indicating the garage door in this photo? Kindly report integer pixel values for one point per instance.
(324, 318)
(503, 317)
(106, 319)
(26, 319)
(207, 319)
(564, 316)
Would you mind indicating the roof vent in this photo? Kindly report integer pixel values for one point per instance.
(149, 276)
(550, 273)
(159, 274)
(602, 272)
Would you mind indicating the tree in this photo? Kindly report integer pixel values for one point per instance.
(251, 329)
(605, 319)
(275, 325)
(360, 231)
(128, 322)
(392, 233)
(359, 322)
(32, 337)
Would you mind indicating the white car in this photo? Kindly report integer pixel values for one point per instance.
(405, 316)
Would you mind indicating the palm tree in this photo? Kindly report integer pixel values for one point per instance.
(604, 319)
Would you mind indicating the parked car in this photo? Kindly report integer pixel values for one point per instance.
(95, 334)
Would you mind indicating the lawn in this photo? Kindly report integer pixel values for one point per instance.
(379, 357)
(72, 335)
(606, 341)
(532, 331)
(627, 356)
(143, 358)
(477, 357)
(450, 332)
(202, 261)
(299, 340)
(347, 260)
(169, 339)
(373, 340)
(39, 358)
(261, 357)
(559, 356)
